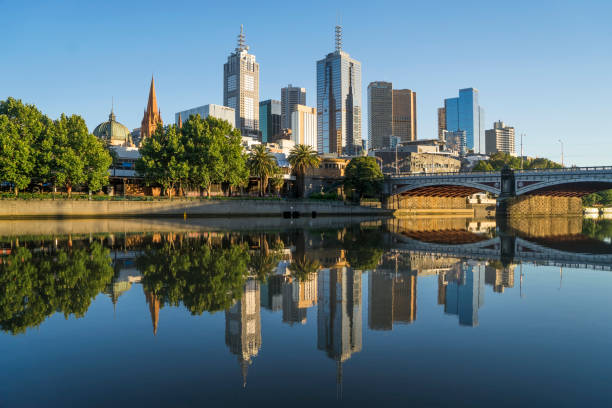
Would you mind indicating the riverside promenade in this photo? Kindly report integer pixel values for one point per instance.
(20, 209)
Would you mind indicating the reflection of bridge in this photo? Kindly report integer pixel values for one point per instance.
(508, 249)
(565, 182)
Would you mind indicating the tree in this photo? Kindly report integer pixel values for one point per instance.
(16, 162)
(363, 176)
(262, 164)
(302, 158)
(498, 160)
(162, 160)
(235, 169)
(277, 182)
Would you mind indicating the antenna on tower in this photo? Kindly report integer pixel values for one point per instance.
(338, 38)
(241, 40)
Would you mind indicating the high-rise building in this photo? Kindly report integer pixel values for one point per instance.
(216, 111)
(241, 87)
(339, 102)
(499, 139)
(455, 141)
(380, 114)
(441, 123)
(391, 112)
(291, 96)
(404, 115)
(464, 113)
(269, 119)
(243, 326)
(304, 126)
(152, 114)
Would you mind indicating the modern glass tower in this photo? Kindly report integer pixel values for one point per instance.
(241, 87)
(291, 96)
(464, 113)
(269, 119)
(338, 102)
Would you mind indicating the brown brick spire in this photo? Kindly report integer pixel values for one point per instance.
(152, 115)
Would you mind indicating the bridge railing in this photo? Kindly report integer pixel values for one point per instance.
(490, 173)
(565, 169)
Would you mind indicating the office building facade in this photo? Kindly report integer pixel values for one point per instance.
(500, 139)
(339, 102)
(380, 114)
(269, 119)
(216, 111)
(464, 113)
(455, 141)
(291, 96)
(304, 126)
(404, 115)
(241, 88)
(441, 123)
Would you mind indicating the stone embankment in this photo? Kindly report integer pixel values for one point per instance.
(15, 209)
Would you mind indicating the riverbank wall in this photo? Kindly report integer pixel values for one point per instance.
(18, 209)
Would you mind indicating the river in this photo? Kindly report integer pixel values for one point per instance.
(427, 312)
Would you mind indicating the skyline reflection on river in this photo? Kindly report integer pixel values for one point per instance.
(183, 314)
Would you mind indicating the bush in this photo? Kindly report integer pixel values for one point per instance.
(324, 196)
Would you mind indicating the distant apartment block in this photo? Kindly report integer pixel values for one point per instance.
(216, 111)
(500, 139)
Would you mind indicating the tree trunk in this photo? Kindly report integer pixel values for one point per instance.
(69, 190)
(16, 191)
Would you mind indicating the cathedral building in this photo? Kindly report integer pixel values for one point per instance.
(152, 115)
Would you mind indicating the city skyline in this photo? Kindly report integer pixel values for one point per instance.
(537, 73)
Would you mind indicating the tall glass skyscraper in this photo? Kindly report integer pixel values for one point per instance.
(339, 102)
(269, 119)
(464, 113)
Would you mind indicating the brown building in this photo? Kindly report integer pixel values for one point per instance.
(421, 156)
(441, 123)
(404, 115)
(327, 177)
(152, 115)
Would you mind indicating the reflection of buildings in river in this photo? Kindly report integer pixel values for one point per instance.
(391, 299)
(339, 314)
(500, 277)
(127, 275)
(462, 292)
(297, 298)
(243, 326)
(272, 289)
(153, 302)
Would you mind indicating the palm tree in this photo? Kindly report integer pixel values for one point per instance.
(303, 269)
(262, 164)
(302, 158)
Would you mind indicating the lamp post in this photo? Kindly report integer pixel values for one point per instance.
(561, 141)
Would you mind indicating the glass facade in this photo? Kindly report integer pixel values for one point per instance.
(269, 119)
(464, 113)
(338, 104)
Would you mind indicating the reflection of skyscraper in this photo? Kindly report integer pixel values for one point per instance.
(297, 298)
(243, 326)
(339, 313)
(391, 299)
(500, 277)
(464, 293)
(272, 293)
(153, 302)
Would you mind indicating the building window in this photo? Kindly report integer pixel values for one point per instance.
(231, 83)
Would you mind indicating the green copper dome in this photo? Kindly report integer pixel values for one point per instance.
(113, 132)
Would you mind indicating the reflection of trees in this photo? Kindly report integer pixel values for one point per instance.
(364, 248)
(598, 229)
(263, 261)
(303, 268)
(34, 285)
(202, 277)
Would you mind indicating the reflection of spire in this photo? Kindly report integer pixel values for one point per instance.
(153, 302)
(244, 364)
(339, 379)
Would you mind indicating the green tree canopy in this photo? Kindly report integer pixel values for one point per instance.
(363, 176)
(498, 160)
(262, 164)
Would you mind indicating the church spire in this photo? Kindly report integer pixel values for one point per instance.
(152, 116)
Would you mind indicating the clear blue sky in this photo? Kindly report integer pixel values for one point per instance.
(544, 67)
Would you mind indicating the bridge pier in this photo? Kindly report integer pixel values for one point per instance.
(534, 205)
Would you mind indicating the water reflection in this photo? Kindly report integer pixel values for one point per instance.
(291, 272)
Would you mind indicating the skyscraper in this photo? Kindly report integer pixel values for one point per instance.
(304, 126)
(404, 115)
(291, 96)
(152, 114)
(499, 139)
(380, 114)
(338, 102)
(464, 113)
(241, 87)
(269, 119)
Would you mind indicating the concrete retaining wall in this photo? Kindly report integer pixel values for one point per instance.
(10, 209)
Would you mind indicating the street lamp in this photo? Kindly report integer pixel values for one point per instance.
(560, 141)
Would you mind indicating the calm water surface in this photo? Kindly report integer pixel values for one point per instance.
(421, 312)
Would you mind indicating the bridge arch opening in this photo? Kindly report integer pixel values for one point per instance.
(444, 190)
(564, 188)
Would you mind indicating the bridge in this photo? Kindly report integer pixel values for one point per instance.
(510, 186)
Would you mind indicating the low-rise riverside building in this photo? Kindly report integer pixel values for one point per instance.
(423, 156)
(328, 177)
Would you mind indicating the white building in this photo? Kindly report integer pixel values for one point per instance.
(216, 111)
(304, 126)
